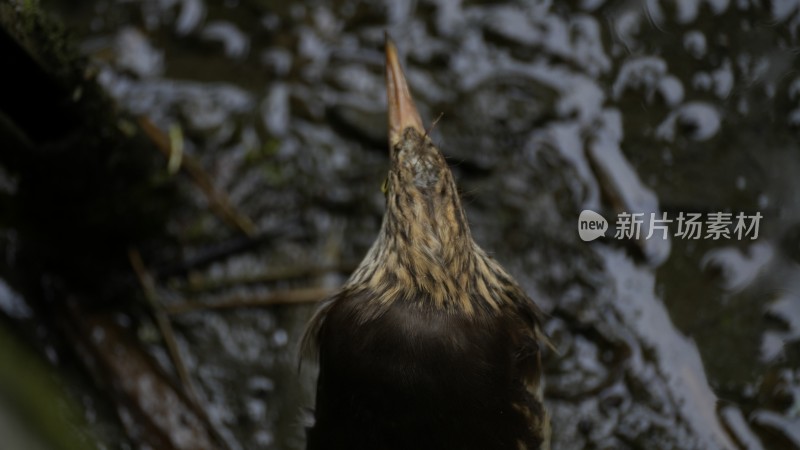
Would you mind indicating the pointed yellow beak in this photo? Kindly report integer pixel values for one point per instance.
(402, 112)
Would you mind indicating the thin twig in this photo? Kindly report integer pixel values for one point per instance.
(289, 297)
(116, 362)
(162, 320)
(167, 333)
(218, 201)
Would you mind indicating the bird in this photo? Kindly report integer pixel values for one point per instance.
(430, 344)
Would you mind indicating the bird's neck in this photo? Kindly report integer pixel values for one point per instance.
(424, 248)
(429, 224)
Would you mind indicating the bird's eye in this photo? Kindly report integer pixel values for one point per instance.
(385, 186)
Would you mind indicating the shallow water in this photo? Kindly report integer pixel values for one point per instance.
(546, 109)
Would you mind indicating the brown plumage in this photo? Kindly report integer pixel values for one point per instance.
(430, 344)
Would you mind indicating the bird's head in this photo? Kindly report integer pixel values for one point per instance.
(423, 205)
(424, 249)
(416, 162)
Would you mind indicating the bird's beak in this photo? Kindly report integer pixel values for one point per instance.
(402, 112)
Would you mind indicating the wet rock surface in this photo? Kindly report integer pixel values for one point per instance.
(688, 344)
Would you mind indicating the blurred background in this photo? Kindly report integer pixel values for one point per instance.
(182, 180)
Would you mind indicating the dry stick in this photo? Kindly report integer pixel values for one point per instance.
(162, 320)
(165, 327)
(289, 297)
(218, 201)
(117, 357)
